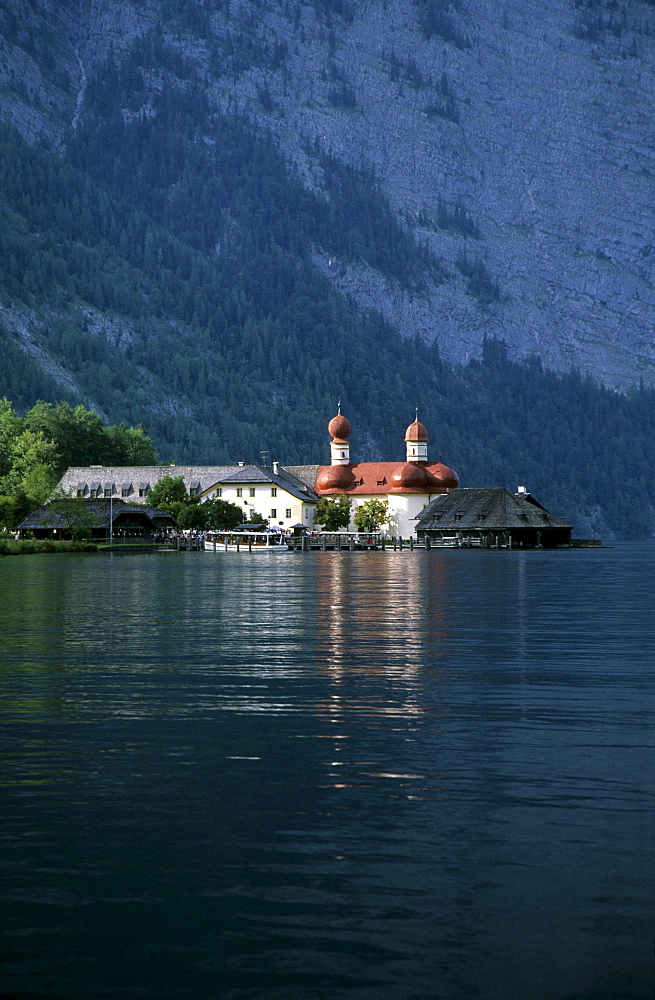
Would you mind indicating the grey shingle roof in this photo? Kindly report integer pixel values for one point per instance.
(305, 473)
(140, 477)
(485, 509)
(247, 474)
(260, 474)
(197, 477)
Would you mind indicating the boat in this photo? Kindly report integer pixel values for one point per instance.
(245, 541)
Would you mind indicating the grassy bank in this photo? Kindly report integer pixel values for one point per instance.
(16, 547)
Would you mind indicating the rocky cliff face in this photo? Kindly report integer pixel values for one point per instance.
(516, 141)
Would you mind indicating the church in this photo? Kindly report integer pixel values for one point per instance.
(407, 487)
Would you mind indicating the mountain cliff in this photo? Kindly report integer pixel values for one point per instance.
(513, 141)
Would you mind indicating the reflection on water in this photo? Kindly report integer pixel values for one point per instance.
(381, 775)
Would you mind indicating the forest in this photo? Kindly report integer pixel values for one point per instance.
(172, 254)
(35, 449)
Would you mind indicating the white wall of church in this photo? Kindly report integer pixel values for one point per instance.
(403, 509)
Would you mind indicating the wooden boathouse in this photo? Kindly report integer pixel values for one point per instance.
(491, 518)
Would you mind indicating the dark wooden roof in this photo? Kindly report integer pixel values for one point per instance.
(485, 510)
(47, 518)
(155, 514)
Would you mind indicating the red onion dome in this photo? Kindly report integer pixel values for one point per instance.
(334, 477)
(416, 432)
(448, 478)
(409, 477)
(339, 427)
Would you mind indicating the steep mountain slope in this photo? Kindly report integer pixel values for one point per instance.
(218, 217)
(515, 142)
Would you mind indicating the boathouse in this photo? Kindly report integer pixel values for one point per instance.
(492, 518)
(98, 519)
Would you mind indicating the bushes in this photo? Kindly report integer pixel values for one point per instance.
(29, 546)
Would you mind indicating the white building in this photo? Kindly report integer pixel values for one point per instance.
(280, 499)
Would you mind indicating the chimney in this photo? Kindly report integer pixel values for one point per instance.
(276, 468)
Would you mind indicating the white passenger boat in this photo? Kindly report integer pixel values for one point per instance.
(245, 541)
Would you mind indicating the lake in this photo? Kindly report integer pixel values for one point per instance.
(328, 776)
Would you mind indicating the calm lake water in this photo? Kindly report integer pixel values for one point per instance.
(329, 776)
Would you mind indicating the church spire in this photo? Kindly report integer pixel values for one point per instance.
(339, 428)
(416, 440)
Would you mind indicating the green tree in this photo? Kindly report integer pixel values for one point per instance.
(255, 518)
(9, 511)
(79, 433)
(169, 490)
(34, 467)
(221, 514)
(189, 515)
(333, 512)
(129, 446)
(10, 427)
(370, 515)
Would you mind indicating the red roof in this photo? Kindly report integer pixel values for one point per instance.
(376, 478)
(416, 432)
(339, 427)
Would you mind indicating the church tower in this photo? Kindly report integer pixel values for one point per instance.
(339, 428)
(416, 440)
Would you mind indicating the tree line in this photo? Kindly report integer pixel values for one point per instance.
(37, 448)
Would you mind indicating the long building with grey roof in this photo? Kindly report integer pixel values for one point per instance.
(281, 498)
